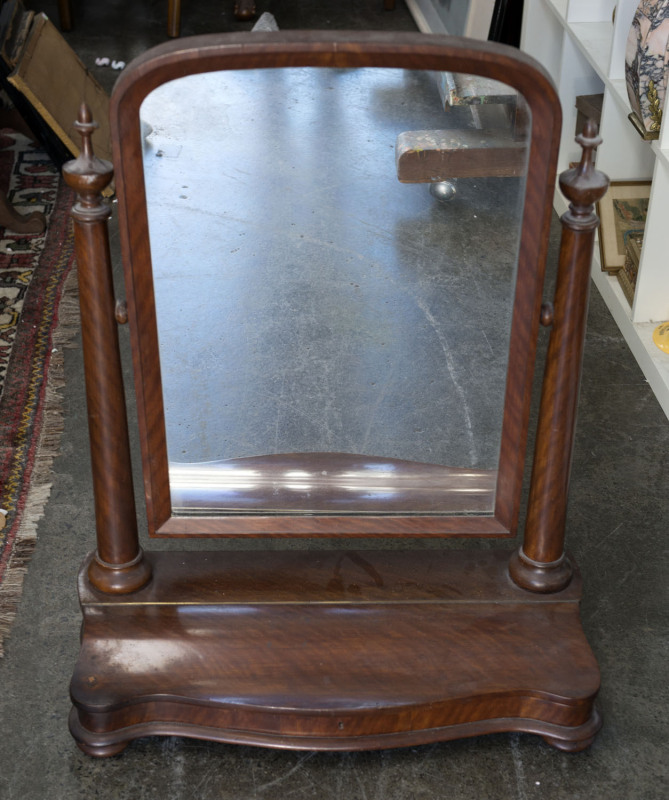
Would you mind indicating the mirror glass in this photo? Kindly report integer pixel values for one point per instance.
(334, 257)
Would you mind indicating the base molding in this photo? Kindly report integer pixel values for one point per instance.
(331, 650)
(110, 743)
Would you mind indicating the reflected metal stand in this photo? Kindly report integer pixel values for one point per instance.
(331, 650)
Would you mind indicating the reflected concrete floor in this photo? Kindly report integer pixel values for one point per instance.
(306, 299)
(617, 532)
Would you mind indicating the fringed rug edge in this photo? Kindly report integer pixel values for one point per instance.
(48, 446)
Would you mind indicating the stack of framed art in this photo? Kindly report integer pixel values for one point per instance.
(623, 211)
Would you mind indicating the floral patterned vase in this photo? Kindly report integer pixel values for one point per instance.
(647, 65)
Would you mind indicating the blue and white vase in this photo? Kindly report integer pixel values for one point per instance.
(647, 65)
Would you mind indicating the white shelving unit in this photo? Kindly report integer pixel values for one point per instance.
(583, 49)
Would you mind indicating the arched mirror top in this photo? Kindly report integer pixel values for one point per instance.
(340, 50)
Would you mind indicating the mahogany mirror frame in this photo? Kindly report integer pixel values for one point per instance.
(341, 50)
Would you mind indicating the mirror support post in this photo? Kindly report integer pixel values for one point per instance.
(540, 565)
(119, 565)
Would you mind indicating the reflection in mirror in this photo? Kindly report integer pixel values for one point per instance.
(334, 258)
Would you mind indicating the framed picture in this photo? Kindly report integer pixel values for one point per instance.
(628, 274)
(621, 211)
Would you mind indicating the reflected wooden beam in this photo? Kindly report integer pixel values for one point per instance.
(432, 156)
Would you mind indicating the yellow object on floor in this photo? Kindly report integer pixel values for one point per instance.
(661, 336)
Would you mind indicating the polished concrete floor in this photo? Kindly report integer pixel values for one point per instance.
(617, 532)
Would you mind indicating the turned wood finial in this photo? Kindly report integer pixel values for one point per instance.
(589, 141)
(88, 175)
(583, 185)
(86, 125)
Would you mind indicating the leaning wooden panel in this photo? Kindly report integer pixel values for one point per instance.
(55, 81)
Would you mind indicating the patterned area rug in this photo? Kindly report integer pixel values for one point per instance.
(35, 323)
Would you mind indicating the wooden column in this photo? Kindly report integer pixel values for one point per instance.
(540, 565)
(119, 566)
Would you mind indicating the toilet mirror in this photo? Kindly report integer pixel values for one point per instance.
(332, 333)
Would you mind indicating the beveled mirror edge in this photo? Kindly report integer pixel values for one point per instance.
(335, 49)
(257, 525)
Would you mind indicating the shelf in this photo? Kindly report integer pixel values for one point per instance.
(594, 41)
(585, 59)
(559, 7)
(619, 93)
(660, 154)
(639, 336)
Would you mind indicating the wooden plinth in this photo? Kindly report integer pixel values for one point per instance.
(332, 651)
